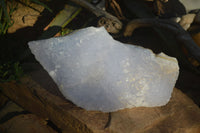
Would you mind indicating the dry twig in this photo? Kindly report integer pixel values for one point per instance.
(110, 22)
(116, 8)
(182, 36)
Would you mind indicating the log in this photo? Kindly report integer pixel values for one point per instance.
(69, 118)
(179, 115)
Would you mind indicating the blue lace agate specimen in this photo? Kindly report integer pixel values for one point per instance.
(96, 72)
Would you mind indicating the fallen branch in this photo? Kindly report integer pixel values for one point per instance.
(110, 22)
(182, 36)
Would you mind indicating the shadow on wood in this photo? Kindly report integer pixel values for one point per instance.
(179, 115)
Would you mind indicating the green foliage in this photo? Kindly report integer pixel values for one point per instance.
(7, 8)
(6, 11)
(10, 71)
(36, 2)
(65, 31)
(42, 4)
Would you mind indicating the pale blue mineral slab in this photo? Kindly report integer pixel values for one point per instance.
(96, 72)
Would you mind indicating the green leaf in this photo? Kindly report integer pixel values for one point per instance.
(42, 4)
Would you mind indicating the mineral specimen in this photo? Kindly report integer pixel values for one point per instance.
(96, 72)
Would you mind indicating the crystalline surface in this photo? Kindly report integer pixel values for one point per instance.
(96, 72)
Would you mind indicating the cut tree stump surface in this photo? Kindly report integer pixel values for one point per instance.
(180, 115)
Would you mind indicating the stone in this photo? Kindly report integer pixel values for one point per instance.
(96, 72)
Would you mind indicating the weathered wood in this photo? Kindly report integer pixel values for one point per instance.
(110, 22)
(63, 18)
(179, 115)
(3, 100)
(26, 123)
(63, 113)
(182, 37)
